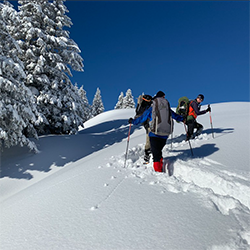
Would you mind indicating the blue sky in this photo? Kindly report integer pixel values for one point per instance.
(179, 47)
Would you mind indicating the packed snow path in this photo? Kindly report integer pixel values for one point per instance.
(218, 188)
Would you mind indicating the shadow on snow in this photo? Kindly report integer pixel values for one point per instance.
(218, 132)
(58, 150)
(199, 152)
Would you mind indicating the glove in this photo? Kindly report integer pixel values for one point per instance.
(208, 109)
(130, 120)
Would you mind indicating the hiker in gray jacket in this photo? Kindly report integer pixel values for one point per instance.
(161, 126)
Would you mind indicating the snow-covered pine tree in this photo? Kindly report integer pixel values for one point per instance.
(18, 114)
(97, 105)
(48, 54)
(119, 104)
(10, 16)
(128, 100)
(86, 105)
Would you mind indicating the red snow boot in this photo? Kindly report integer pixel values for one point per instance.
(158, 166)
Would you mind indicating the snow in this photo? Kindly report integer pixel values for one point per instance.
(76, 193)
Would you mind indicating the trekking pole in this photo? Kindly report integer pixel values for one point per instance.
(172, 130)
(172, 141)
(188, 140)
(127, 145)
(211, 121)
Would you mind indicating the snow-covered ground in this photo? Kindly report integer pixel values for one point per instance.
(76, 193)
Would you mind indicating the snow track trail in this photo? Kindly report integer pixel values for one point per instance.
(218, 189)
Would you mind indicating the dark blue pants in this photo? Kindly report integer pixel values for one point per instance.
(157, 145)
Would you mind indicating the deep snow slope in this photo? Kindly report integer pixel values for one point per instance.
(77, 193)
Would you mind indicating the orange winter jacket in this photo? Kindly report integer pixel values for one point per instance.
(194, 110)
(191, 111)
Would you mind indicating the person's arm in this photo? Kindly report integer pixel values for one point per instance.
(177, 117)
(196, 109)
(146, 114)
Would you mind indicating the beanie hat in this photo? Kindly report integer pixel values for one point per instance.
(160, 94)
(200, 96)
(147, 98)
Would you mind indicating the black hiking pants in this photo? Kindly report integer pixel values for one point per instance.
(157, 145)
(193, 124)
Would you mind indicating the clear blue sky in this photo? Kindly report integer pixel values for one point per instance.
(179, 47)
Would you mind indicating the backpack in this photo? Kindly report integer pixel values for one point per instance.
(143, 103)
(183, 106)
(162, 123)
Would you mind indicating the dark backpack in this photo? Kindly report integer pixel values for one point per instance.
(183, 106)
(144, 102)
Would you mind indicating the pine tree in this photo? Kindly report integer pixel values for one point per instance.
(119, 104)
(10, 16)
(128, 100)
(18, 114)
(86, 105)
(48, 54)
(97, 105)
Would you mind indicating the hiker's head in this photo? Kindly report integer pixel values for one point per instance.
(147, 98)
(200, 98)
(160, 94)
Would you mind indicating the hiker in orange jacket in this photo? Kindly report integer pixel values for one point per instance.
(194, 111)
